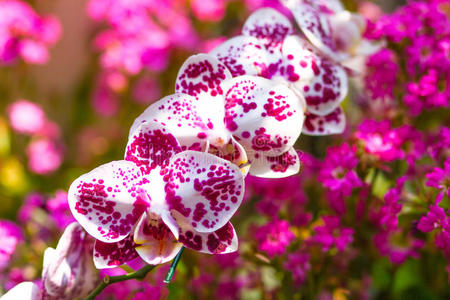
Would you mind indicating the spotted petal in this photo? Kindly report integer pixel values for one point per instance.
(203, 190)
(269, 26)
(284, 165)
(243, 55)
(333, 123)
(265, 116)
(323, 83)
(180, 114)
(109, 200)
(221, 241)
(111, 255)
(151, 145)
(156, 243)
(201, 76)
(315, 25)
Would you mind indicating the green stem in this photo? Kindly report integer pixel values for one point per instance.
(173, 266)
(107, 280)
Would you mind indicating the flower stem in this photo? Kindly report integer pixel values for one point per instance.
(173, 266)
(107, 280)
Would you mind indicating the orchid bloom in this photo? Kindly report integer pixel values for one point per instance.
(160, 197)
(67, 270)
(336, 32)
(269, 48)
(253, 116)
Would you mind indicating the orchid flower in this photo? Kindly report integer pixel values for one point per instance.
(253, 116)
(336, 32)
(67, 270)
(269, 47)
(159, 198)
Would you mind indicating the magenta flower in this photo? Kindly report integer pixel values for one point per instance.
(298, 264)
(434, 219)
(59, 210)
(11, 235)
(380, 140)
(269, 48)
(385, 242)
(332, 234)
(440, 178)
(440, 144)
(387, 216)
(160, 197)
(381, 74)
(274, 237)
(338, 170)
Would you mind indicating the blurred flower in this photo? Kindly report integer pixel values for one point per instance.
(10, 235)
(439, 145)
(332, 234)
(298, 264)
(274, 237)
(31, 202)
(380, 139)
(26, 117)
(434, 219)
(440, 178)
(44, 156)
(146, 91)
(59, 210)
(397, 251)
(381, 74)
(338, 174)
(23, 33)
(212, 10)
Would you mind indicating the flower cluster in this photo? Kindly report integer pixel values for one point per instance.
(45, 153)
(420, 33)
(25, 34)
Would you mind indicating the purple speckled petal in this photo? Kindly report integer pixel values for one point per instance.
(284, 165)
(243, 55)
(109, 200)
(201, 76)
(269, 26)
(203, 190)
(315, 24)
(323, 83)
(152, 145)
(181, 115)
(266, 117)
(111, 255)
(24, 291)
(333, 123)
(221, 241)
(156, 242)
